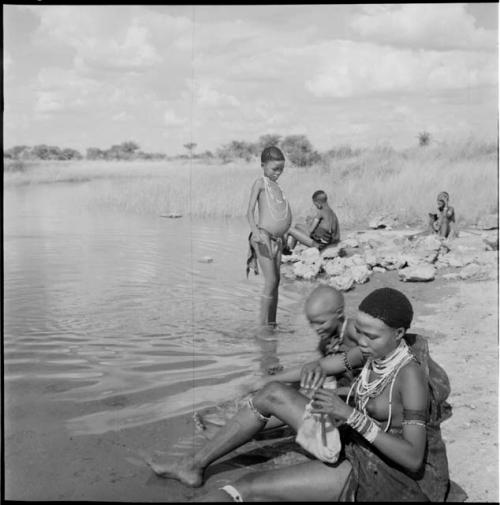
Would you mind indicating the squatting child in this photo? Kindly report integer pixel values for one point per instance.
(267, 234)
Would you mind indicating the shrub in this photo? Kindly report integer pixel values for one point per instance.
(299, 150)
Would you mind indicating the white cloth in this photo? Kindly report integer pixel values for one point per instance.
(318, 435)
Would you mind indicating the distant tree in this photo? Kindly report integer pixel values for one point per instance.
(424, 138)
(270, 139)
(190, 146)
(94, 153)
(70, 154)
(41, 152)
(299, 150)
(17, 152)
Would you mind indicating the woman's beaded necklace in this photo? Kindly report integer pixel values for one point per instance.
(274, 200)
(386, 370)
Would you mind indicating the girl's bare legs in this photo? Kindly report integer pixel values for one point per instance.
(275, 399)
(269, 297)
(310, 481)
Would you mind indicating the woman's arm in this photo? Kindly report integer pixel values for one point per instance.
(407, 451)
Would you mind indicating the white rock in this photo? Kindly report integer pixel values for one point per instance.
(360, 273)
(380, 270)
(451, 276)
(370, 258)
(419, 273)
(470, 271)
(334, 267)
(342, 282)
(306, 271)
(349, 242)
(206, 259)
(331, 252)
(310, 255)
(382, 221)
(488, 222)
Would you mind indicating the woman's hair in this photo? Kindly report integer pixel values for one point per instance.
(389, 305)
(272, 153)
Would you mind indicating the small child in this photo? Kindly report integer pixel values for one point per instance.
(267, 236)
(322, 231)
(443, 222)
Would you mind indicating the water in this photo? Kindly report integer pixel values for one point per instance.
(118, 314)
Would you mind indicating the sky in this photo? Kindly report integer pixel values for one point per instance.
(161, 75)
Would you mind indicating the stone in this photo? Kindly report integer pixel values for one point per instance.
(206, 259)
(360, 274)
(370, 258)
(331, 252)
(334, 267)
(342, 282)
(306, 271)
(490, 240)
(488, 222)
(350, 242)
(419, 273)
(382, 222)
(451, 276)
(379, 270)
(470, 271)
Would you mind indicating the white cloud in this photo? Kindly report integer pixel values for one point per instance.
(423, 25)
(385, 69)
(171, 119)
(103, 36)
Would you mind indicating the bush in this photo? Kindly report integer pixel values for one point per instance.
(299, 150)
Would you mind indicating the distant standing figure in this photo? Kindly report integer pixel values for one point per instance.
(267, 236)
(322, 231)
(443, 222)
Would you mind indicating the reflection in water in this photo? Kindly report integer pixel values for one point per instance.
(117, 315)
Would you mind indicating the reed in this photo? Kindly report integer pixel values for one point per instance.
(360, 183)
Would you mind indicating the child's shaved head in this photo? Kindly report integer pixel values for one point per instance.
(324, 299)
(319, 196)
(271, 153)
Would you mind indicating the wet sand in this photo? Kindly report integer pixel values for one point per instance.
(459, 317)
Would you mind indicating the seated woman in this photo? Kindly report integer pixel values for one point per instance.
(443, 222)
(392, 446)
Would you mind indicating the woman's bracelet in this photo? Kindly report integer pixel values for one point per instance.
(364, 425)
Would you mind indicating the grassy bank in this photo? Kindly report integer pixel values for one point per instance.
(360, 183)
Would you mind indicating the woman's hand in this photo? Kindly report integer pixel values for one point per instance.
(326, 401)
(312, 376)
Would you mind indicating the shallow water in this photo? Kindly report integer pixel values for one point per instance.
(118, 314)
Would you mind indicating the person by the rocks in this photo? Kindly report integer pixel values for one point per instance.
(266, 237)
(443, 222)
(389, 427)
(323, 230)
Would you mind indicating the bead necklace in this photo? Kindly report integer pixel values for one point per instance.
(274, 200)
(387, 369)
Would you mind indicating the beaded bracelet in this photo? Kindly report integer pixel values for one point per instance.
(363, 425)
(414, 422)
(346, 362)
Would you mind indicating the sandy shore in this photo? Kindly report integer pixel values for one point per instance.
(460, 319)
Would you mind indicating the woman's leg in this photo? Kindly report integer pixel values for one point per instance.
(277, 399)
(310, 481)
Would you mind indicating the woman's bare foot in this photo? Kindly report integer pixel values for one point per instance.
(181, 469)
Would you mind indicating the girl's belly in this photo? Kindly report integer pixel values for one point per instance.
(276, 227)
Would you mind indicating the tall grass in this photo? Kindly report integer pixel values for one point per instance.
(360, 183)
